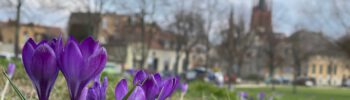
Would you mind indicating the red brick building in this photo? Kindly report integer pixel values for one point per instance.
(261, 19)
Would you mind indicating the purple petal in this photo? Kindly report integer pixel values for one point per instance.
(32, 42)
(137, 94)
(105, 83)
(11, 69)
(95, 64)
(168, 88)
(44, 70)
(184, 87)
(84, 94)
(104, 88)
(88, 46)
(140, 77)
(92, 94)
(158, 78)
(165, 91)
(151, 88)
(57, 45)
(72, 62)
(121, 89)
(27, 54)
(175, 84)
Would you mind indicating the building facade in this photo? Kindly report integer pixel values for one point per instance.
(29, 30)
(327, 70)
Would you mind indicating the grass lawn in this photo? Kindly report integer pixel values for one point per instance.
(200, 91)
(197, 90)
(303, 93)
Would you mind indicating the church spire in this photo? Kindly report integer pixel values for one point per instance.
(231, 18)
(262, 4)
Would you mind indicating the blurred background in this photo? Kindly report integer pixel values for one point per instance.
(288, 49)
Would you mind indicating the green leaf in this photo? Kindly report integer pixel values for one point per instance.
(129, 93)
(14, 87)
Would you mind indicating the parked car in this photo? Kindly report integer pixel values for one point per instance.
(201, 73)
(346, 82)
(6, 55)
(304, 81)
(278, 81)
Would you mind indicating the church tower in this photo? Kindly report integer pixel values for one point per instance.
(261, 20)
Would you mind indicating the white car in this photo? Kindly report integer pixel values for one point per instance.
(112, 68)
(7, 55)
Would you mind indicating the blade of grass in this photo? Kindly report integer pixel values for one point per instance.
(129, 93)
(18, 92)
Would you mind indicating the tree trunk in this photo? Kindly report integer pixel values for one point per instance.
(187, 60)
(229, 74)
(272, 69)
(239, 67)
(176, 64)
(17, 28)
(143, 51)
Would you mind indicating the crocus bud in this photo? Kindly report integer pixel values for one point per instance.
(11, 69)
(243, 96)
(39, 61)
(153, 87)
(121, 89)
(261, 96)
(140, 77)
(98, 90)
(184, 87)
(81, 63)
(137, 94)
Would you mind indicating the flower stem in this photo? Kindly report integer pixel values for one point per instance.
(5, 90)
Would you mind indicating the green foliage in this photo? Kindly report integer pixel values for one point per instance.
(14, 87)
(207, 90)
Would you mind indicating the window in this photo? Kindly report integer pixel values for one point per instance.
(313, 68)
(321, 69)
(335, 69)
(329, 69)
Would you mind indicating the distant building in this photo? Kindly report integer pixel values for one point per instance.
(82, 25)
(328, 70)
(30, 30)
(261, 19)
(123, 38)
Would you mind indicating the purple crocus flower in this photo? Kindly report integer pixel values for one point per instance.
(137, 94)
(98, 90)
(40, 63)
(81, 63)
(140, 77)
(261, 96)
(154, 86)
(11, 69)
(183, 87)
(151, 88)
(121, 91)
(243, 96)
(169, 86)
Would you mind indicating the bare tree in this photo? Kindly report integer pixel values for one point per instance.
(235, 45)
(189, 27)
(23, 10)
(145, 11)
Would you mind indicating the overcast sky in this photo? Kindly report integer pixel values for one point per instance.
(288, 15)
